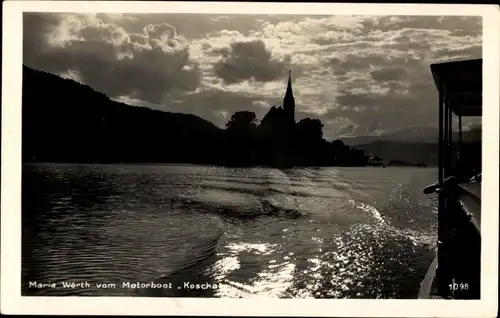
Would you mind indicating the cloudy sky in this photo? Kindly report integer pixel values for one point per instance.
(360, 75)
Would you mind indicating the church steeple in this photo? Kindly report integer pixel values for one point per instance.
(289, 92)
(289, 101)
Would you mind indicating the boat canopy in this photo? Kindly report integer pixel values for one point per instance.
(460, 83)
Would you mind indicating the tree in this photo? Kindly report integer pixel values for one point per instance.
(242, 121)
(310, 130)
(241, 133)
(358, 157)
(338, 144)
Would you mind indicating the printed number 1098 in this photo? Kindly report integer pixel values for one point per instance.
(461, 286)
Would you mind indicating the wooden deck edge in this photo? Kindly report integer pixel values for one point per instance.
(425, 291)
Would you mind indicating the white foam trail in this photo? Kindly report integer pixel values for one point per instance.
(368, 208)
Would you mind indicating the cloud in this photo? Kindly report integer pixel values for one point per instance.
(388, 74)
(148, 65)
(248, 61)
(358, 74)
(216, 106)
(457, 53)
(347, 129)
(385, 74)
(116, 17)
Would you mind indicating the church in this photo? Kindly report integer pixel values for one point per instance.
(282, 116)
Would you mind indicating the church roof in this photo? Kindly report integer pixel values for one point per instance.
(276, 114)
(273, 114)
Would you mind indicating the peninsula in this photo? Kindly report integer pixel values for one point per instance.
(65, 121)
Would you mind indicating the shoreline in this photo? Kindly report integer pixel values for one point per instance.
(207, 164)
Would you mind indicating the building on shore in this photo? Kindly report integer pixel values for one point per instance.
(282, 116)
(376, 161)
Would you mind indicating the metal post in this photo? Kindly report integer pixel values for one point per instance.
(440, 141)
(460, 133)
(446, 151)
(441, 271)
(449, 146)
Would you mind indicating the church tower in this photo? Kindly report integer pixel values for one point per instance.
(289, 102)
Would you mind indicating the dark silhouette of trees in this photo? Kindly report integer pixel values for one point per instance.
(345, 156)
(309, 130)
(241, 138)
(272, 144)
(242, 122)
(308, 141)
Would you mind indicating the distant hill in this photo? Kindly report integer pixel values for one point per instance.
(67, 121)
(407, 152)
(412, 135)
(409, 144)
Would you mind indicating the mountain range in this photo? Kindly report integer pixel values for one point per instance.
(411, 144)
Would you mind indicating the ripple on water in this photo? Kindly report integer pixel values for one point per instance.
(124, 247)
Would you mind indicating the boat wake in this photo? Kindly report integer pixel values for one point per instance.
(347, 244)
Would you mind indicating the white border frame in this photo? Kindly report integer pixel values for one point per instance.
(13, 303)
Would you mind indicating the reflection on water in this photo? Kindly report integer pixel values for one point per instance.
(324, 233)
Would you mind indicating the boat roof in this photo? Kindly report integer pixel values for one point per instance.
(462, 84)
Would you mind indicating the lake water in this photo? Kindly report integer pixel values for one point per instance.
(300, 233)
